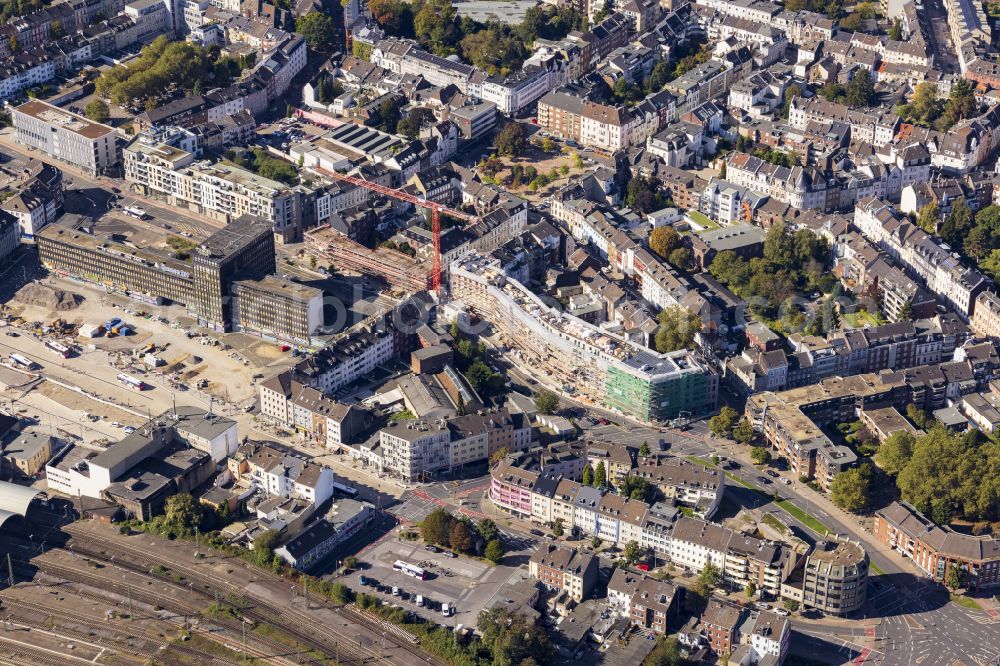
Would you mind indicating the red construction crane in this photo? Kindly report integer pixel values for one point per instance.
(435, 208)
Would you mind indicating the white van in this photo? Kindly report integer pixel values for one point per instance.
(446, 610)
(420, 600)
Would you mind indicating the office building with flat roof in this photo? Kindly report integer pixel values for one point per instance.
(66, 136)
(277, 308)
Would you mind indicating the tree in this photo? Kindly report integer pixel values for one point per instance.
(778, 246)
(927, 217)
(791, 92)
(664, 240)
(743, 432)
(512, 639)
(632, 552)
(499, 455)
(760, 456)
(546, 402)
(588, 475)
(956, 576)
(557, 527)
(917, 415)
(958, 469)
(678, 328)
(961, 105)
(56, 30)
(723, 423)
(97, 110)
(895, 452)
(667, 652)
(958, 223)
(942, 511)
(548, 145)
(266, 541)
(659, 77)
(341, 594)
(460, 538)
(750, 589)
(319, 31)
(595, 543)
(494, 551)
(350, 562)
(511, 140)
(851, 489)
(436, 527)
(861, 89)
(682, 259)
(644, 450)
(791, 605)
(905, 312)
(896, 31)
(643, 195)
(600, 476)
(487, 529)
(636, 487)
(182, 512)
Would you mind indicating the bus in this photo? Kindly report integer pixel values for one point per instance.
(131, 382)
(58, 348)
(22, 362)
(346, 491)
(409, 569)
(134, 211)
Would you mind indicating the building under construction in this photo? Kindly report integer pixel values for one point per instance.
(396, 268)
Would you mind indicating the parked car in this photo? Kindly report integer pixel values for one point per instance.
(448, 553)
(782, 611)
(764, 480)
(787, 482)
(771, 473)
(432, 549)
(395, 591)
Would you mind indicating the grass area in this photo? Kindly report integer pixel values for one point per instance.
(877, 569)
(803, 517)
(405, 415)
(701, 461)
(861, 318)
(701, 220)
(770, 520)
(964, 602)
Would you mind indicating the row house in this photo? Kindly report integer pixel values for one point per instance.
(986, 317)
(922, 254)
(800, 187)
(867, 127)
(740, 559)
(690, 485)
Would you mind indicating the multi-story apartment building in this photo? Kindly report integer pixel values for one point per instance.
(564, 570)
(580, 357)
(512, 93)
(412, 450)
(935, 549)
(223, 192)
(66, 136)
(721, 626)
(835, 578)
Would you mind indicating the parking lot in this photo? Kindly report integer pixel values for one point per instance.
(465, 583)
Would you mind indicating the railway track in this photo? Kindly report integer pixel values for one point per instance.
(261, 647)
(92, 629)
(299, 624)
